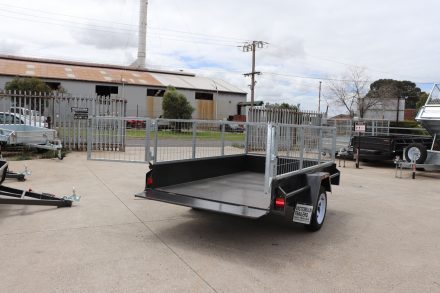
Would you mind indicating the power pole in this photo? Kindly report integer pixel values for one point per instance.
(319, 98)
(252, 47)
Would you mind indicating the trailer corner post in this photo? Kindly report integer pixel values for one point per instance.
(246, 138)
(156, 130)
(270, 158)
(147, 140)
(223, 139)
(302, 145)
(194, 137)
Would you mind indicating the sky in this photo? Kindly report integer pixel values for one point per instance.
(307, 41)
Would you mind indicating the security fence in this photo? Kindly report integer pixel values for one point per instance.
(67, 114)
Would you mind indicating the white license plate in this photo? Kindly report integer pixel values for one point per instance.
(303, 213)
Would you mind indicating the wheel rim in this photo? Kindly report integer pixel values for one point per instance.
(321, 208)
(414, 153)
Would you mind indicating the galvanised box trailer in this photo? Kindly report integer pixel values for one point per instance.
(279, 169)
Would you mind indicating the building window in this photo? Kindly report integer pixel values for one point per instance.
(106, 90)
(155, 93)
(53, 85)
(204, 96)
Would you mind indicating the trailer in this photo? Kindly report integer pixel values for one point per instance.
(284, 170)
(32, 136)
(418, 156)
(14, 196)
(386, 147)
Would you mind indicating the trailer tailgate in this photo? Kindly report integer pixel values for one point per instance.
(202, 203)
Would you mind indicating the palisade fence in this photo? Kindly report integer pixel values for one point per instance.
(65, 113)
(284, 116)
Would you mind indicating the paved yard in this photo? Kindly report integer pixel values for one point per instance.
(381, 234)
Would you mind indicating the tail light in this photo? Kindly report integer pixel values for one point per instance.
(280, 202)
(149, 181)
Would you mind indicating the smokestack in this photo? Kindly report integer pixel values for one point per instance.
(142, 41)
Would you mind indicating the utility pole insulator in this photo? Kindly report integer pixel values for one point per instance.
(252, 47)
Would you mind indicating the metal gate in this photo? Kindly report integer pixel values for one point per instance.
(65, 113)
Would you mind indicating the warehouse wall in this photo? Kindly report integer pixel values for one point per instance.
(138, 104)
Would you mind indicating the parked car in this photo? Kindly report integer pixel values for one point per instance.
(30, 114)
(135, 123)
(14, 118)
(238, 128)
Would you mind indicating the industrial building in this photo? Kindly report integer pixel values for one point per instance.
(142, 88)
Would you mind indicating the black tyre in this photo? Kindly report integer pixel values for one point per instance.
(318, 216)
(416, 152)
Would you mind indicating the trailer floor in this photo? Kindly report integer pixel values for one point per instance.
(243, 188)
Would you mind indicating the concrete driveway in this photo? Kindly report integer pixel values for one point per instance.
(382, 234)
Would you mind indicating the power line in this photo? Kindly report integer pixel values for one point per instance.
(341, 62)
(332, 79)
(197, 38)
(76, 26)
(133, 29)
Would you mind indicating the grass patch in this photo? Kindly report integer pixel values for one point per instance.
(141, 132)
(186, 135)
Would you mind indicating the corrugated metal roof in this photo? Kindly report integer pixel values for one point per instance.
(195, 82)
(74, 72)
(65, 70)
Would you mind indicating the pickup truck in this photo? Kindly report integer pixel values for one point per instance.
(253, 184)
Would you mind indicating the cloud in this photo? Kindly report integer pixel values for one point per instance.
(10, 47)
(392, 39)
(101, 39)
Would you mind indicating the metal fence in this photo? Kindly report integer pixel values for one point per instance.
(67, 114)
(284, 116)
(288, 149)
(158, 140)
(142, 140)
(345, 129)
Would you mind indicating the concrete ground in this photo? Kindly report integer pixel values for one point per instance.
(382, 234)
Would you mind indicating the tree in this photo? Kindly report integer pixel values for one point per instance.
(394, 90)
(27, 84)
(283, 106)
(175, 105)
(422, 100)
(350, 92)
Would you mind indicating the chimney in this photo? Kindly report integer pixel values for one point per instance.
(142, 41)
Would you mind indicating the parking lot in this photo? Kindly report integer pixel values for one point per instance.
(381, 234)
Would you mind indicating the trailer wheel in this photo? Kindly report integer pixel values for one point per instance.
(416, 152)
(318, 216)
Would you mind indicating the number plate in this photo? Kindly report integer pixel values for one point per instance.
(303, 213)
